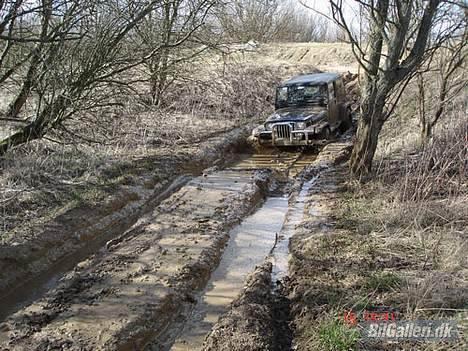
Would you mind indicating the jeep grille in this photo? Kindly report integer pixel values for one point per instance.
(282, 131)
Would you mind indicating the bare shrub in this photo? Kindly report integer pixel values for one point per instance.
(238, 91)
(439, 170)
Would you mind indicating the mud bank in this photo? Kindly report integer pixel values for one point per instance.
(257, 320)
(249, 325)
(35, 257)
(129, 293)
(263, 316)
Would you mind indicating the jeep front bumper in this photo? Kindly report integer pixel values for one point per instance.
(283, 134)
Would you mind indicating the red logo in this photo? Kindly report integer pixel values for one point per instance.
(352, 318)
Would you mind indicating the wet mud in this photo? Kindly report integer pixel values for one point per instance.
(170, 278)
(33, 261)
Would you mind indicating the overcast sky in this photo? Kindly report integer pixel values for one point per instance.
(350, 9)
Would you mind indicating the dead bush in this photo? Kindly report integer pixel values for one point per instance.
(438, 170)
(236, 91)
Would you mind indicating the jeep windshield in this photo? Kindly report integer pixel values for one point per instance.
(297, 95)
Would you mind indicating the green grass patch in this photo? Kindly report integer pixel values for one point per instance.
(336, 336)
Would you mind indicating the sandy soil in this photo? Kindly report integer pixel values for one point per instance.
(332, 57)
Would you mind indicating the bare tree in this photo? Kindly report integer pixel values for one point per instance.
(74, 57)
(447, 68)
(293, 25)
(169, 24)
(244, 20)
(401, 33)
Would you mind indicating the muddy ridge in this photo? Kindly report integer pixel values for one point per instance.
(34, 260)
(262, 317)
(250, 324)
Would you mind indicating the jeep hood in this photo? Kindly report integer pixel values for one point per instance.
(295, 114)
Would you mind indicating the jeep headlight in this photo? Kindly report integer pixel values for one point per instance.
(268, 126)
(301, 125)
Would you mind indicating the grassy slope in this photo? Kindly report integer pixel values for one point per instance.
(398, 241)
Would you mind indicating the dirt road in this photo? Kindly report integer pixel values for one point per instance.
(34, 257)
(142, 287)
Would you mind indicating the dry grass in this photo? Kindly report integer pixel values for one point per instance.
(400, 240)
(415, 218)
(67, 169)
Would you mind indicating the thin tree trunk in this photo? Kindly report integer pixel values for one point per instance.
(15, 107)
(426, 133)
(369, 127)
(159, 72)
(48, 119)
(26, 134)
(422, 110)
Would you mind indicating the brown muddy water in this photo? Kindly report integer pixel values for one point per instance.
(248, 246)
(295, 215)
(263, 235)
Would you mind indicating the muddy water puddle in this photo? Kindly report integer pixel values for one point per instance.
(294, 217)
(248, 246)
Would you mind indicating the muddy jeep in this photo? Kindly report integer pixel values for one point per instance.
(309, 109)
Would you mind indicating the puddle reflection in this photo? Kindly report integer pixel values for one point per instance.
(248, 246)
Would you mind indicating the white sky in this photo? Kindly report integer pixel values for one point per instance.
(350, 9)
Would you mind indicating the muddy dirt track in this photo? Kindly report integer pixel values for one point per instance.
(174, 262)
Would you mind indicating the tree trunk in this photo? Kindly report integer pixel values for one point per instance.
(30, 132)
(365, 146)
(159, 78)
(29, 81)
(48, 119)
(369, 127)
(160, 66)
(426, 133)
